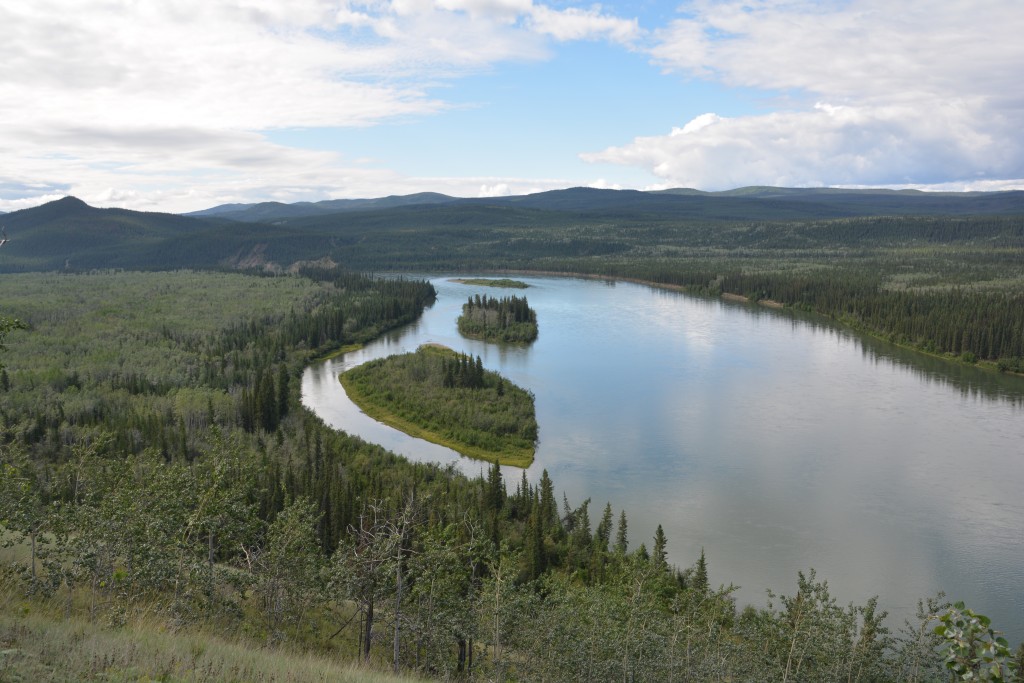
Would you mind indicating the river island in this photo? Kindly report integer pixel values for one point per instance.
(508, 319)
(503, 283)
(448, 398)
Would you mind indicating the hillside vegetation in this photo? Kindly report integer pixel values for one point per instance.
(936, 272)
(157, 469)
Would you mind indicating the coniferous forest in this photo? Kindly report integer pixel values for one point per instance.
(508, 319)
(159, 471)
(159, 475)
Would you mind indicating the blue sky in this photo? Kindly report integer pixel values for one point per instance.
(178, 106)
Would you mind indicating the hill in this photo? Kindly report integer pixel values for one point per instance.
(70, 234)
(547, 230)
(772, 203)
(269, 211)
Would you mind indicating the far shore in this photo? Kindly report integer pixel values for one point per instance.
(988, 365)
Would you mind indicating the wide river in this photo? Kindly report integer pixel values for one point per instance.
(773, 441)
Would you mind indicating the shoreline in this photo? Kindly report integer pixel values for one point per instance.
(985, 365)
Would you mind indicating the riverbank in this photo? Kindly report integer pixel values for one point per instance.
(987, 365)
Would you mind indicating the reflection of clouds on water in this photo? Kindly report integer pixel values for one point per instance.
(774, 441)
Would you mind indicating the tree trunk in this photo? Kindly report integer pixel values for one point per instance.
(369, 630)
(398, 610)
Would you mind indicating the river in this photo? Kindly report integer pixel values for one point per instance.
(772, 440)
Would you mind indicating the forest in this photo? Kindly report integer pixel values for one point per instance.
(508, 319)
(159, 475)
(448, 398)
(937, 273)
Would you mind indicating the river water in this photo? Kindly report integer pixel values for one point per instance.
(773, 441)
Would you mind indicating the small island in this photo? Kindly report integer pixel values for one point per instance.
(449, 399)
(509, 319)
(503, 283)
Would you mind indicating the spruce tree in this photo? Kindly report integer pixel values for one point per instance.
(660, 555)
(700, 574)
(621, 535)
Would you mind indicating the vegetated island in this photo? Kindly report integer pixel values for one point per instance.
(504, 283)
(509, 319)
(449, 399)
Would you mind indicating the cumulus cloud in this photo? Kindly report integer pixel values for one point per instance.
(826, 145)
(111, 97)
(921, 93)
(497, 190)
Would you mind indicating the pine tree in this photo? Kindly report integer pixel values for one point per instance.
(621, 535)
(700, 574)
(660, 554)
(495, 488)
(603, 536)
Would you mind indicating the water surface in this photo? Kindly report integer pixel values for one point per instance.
(774, 442)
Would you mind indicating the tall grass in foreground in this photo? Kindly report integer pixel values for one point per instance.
(36, 646)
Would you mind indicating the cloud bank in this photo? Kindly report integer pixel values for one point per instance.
(151, 101)
(174, 105)
(922, 92)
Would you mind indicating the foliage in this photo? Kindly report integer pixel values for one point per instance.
(151, 482)
(974, 650)
(509, 319)
(451, 399)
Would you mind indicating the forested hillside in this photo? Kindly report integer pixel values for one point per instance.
(948, 284)
(158, 468)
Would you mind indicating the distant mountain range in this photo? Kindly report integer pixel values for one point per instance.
(430, 230)
(264, 211)
(773, 202)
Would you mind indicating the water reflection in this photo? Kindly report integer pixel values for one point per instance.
(770, 439)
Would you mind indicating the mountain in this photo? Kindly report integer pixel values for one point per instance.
(747, 203)
(270, 211)
(770, 203)
(432, 231)
(68, 233)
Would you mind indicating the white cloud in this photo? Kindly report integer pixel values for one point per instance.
(129, 102)
(497, 190)
(826, 145)
(922, 92)
(579, 24)
(602, 184)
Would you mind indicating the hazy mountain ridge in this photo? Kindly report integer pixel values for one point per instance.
(436, 231)
(265, 211)
(778, 203)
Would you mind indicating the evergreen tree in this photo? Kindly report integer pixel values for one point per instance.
(660, 555)
(603, 536)
(621, 535)
(495, 488)
(700, 574)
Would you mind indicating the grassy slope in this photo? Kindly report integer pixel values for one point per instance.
(37, 647)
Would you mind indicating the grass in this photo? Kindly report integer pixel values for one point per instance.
(39, 646)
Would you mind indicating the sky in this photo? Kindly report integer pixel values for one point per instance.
(180, 105)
